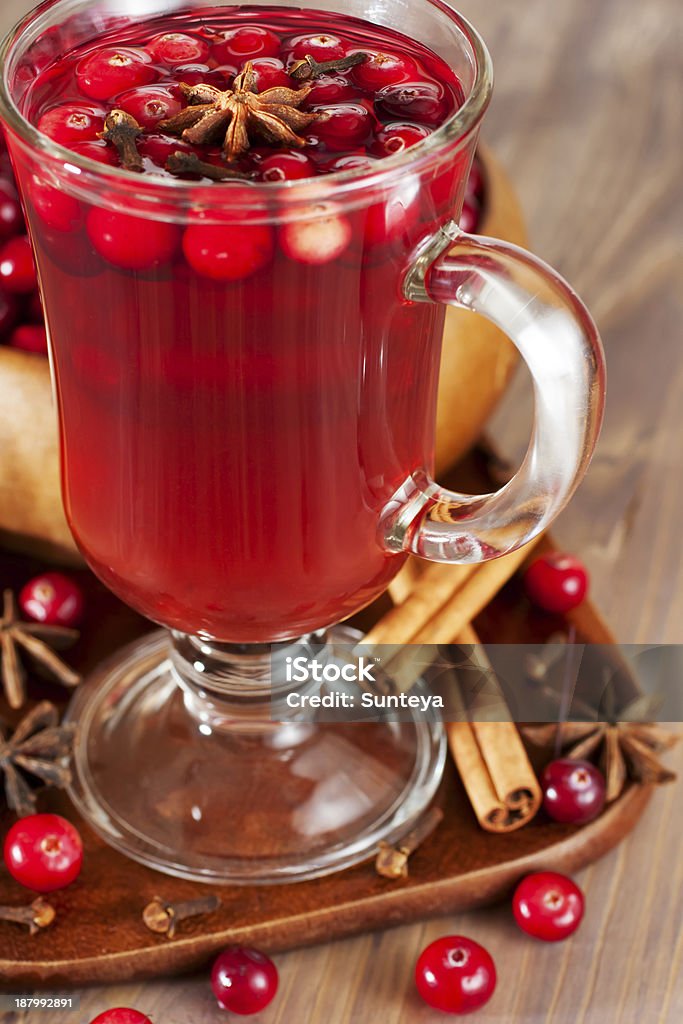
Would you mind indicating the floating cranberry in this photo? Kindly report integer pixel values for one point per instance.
(469, 217)
(573, 791)
(174, 48)
(423, 101)
(384, 68)
(11, 217)
(30, 338)
(455, 975)
(17, 267)
(121, 1015)
(158, 148)
(244, 981)
(100, 151)
(556, 582)
(270, 74)
(228, 252)
(343, 125)
(72, 122)
(56, 208)
(331, 89)
(548, 906)
(53, 599)
(109, 71)
(349, 162)
(245, 43)
(318, 235)
(202, 74)
(43, 852)
(286, 166)
(9, 312)
(396, 137)
(131, 243)
(322, 46)
(150, 104)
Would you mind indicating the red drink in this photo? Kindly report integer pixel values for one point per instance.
(239, 401)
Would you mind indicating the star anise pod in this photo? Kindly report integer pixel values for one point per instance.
(236, 114)
(40, 748)
(33, 638)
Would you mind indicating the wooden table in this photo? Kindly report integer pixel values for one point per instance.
(587, 121)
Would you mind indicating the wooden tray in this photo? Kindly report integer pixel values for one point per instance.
(99, 936)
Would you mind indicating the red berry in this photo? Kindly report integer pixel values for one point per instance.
(53, 599)
(30, 338)
(34, 308)
(286, 166)
(43, 852)
(475, 181)
(56, 208)
(321, 47)
(318, 235)
(382, 69)
(243, 980)
(228, 252)
(344, 126)
(394, 217)
(469, 218)
(548, 906)
(556, 582)
(573, 791)
(131, 243)
(17, 267)
(349, 162)
(121, 1015)
(11, 217)
(270, 74)
(395, 137)
(455, 975)
(422, 101)
(96, 150)
(174, 48)
(330, 89)
(202, 74)
(107, 72)
(245, 43)
(158, 148)
(9, 312)
(150, 104)
(72, 122)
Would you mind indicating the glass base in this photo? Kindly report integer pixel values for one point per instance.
(175, 779)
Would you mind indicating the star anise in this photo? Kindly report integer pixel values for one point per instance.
(236, 114)
(38, 747)
(33, 638)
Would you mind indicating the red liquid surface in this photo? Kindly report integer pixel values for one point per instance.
(230, 437)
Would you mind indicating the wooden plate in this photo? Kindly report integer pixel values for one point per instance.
(98, 935)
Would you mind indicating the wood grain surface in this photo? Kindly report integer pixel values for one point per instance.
(586, 117)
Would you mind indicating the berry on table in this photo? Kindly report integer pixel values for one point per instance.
(573, 791)
(383, 68)
(556, 582)
(228, 252)
(244, 981)
(109, 71)
(17, 266)
(343, 126)
(548, 906)
(53, 599)
(72, 122)
(43, 852)
(318, 235)
(11, 217)
(245, 43)
(121, 1015)
(175, 48)
(30, 338)
(469, 218)
(131, 243)
(455, 975)
(422, 101)
(150, 104)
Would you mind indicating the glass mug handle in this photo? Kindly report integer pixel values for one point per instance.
(559, 342)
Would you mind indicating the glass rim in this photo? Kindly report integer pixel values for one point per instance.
(447, 137)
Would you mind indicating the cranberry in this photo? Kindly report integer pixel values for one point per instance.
(150, 104)
(202, 74)
(121, 1015)
(573, 791)
(395, 137)
(394, 217)
(556, 582)
(321, 47)
(331, 89)
(455, 975)
(72, 122)
(286, 166)
(30, 338)
(475, 181)
(245, 43)
(174, 48)
(17, 267)
(469, 217)
(382, 69)
(548, 906)
(52, 598)
(11, 217)
(34, 308)
(243, 980)
(318, 235)
(59, 211)
(99, 151)
(131, 243)
(344, 126)
(158, 148)
(349, 162)
(422, 101)
(44, 852)
(270, 74)
(9, 312)
(107, 72)
(228, 252)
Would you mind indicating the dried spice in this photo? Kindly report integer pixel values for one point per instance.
(162, 916)
(32, 638)
(37, 915)
(237, 114)
(309, 67)
(392, 861)
(189, 163)
(40, 748)
(122, 131)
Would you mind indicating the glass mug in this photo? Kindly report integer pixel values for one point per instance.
(247, 461)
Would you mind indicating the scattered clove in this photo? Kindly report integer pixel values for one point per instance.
(162, 917)
(392, 861)
(37, 915)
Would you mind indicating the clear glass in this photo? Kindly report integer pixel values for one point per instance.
(248, 461)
